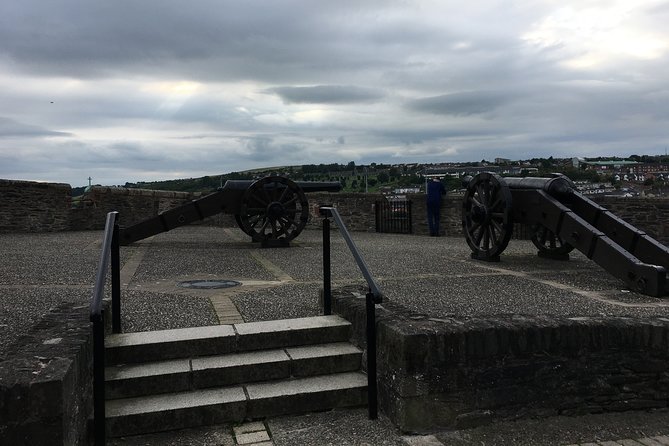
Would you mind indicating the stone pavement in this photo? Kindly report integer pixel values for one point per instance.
(431, 276)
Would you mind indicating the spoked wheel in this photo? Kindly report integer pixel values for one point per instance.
(487, 216)
(550, 244)
(273, 208)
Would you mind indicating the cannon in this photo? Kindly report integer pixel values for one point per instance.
(561, 219)
(272, 210)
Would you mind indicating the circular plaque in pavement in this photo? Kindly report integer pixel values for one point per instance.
(209, 284)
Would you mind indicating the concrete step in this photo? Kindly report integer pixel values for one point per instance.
(136, 379)
(221, 339)
(130, 416)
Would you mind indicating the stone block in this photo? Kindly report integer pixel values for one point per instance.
(306, 394)
(291, 332)
(166, 344)
(180, 410)
(322, 359)
(237, 368)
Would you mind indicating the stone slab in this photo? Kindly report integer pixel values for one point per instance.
(165, 344)
(175, 411)
(290, 332)
(307, 394)
(128, 380)
(324, 358)
(236, 368)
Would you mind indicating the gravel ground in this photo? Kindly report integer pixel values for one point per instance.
(52, 258)
(198, 251)
(562, 430)
(336, 428)
(220, 435)
(21, 308)
(426, 275)
(145, 311)
(282, 302)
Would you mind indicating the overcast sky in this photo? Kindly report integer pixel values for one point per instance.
(130, 90)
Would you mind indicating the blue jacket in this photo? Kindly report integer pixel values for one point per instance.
(435, 189)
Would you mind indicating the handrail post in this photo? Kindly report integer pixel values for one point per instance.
(327, 273)
(99, 414)
(374, 296)
(372, 398)
(116, 280)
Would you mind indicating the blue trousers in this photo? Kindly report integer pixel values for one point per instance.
(433, 214)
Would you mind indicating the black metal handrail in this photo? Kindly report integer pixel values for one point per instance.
(110, 252)
(374, 296)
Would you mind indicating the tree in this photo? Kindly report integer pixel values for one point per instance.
(383, 177)
(394, 172)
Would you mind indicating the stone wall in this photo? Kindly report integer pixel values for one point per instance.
(133, 205)
(460, 373)
(32, 207)
(28, 206)
(46, 386)
(647, 214)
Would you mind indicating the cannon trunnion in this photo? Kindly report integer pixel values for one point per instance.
(561, 219)
(272, 210)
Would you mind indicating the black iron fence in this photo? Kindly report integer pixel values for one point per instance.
(393, 216)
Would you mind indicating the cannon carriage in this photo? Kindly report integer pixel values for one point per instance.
(272, 210)
(561, 219)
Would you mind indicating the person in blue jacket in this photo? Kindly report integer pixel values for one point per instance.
(435, 189)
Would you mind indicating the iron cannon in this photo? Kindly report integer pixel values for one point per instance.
(272, 210)
(561, 219)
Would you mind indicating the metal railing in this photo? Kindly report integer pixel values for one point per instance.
(374, 296)
(110, 253)
(393, 216)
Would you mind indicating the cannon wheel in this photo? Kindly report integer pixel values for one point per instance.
(487, 220)
(273, 208)
(550, 244)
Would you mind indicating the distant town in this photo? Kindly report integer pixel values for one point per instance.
(637, 175)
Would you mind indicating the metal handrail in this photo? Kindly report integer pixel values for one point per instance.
(110, 253)
(373, 297)
(103, 266)
(364, 269)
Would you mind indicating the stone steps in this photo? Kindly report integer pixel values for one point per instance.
(178, 375)
(220, 339)
(175, 379)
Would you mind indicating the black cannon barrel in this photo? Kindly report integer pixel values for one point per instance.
(557, 186)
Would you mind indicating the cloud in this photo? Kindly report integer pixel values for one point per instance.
(463, 104)
(10, 128)
(147, 89)
(326, 94)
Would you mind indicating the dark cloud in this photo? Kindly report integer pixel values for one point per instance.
(11, 128)
(264, 149)
(463, 104)
(326, 94)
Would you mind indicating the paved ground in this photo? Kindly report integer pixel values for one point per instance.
(432, 276)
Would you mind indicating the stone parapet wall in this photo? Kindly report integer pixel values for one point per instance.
(40, 207)
(28, 206)
(46, 384)
(133, 205)
(647, 214)
(457, 373)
